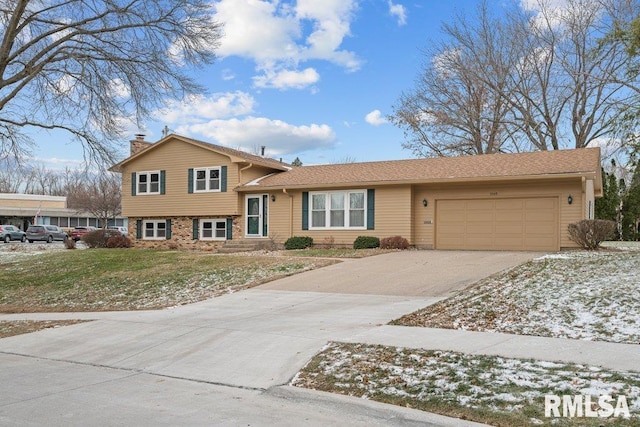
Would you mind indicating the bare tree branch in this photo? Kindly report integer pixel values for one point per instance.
(88, 66)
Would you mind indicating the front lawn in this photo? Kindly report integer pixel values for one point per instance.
(579, 295)
(495, 390)
(129, 279)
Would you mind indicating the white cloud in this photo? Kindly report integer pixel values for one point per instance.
(228, 74)
(279, 137)
(286, 79)
(198, 108)
(279, 35)
(375, 118)
(399, 11)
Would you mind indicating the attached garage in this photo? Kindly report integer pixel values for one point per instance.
(498, 224)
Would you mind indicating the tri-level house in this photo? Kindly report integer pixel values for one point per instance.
(192, 194)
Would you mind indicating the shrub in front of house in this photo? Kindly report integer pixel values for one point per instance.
(394, 242)
(98, 238)
(366, 242)
(69, 243)
(298, 242)
(589, 233)
(118, 242)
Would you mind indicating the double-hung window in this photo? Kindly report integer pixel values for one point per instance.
(338, 209)
(206, 179)
(148, 182)
(155, 230)
(213, 229)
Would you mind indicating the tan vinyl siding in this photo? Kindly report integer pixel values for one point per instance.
(425, 218)
(176, 159)
(253, 173)
(392, 217)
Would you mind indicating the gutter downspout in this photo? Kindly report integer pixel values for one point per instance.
(284, 190)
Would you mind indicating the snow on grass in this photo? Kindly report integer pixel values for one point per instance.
(580, 295)
(511, 390)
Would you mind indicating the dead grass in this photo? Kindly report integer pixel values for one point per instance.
(495, 390)
(578, 295)
(18, 327)
(128, 279)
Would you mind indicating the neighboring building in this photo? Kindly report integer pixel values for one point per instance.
(195, 194)
(23, 210)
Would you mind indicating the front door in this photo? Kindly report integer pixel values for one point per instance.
(256, 218)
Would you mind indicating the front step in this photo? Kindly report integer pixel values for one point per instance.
(234, 246)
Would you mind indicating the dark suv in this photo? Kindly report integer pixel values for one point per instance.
(45, 233)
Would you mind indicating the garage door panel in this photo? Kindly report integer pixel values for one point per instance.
(479, 216)
(509, 204)
(506, 216)
(506, 229)
(498, 224)
(542, 204)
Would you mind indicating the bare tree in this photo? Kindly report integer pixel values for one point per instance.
(99, 195)
(453, 110)
(87, 66)
(521, 80)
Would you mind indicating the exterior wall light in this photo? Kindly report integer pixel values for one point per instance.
(570, 199)
(273, 197)
(424, 202)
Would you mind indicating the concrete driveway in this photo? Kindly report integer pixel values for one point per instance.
(410, 273)
(227, 361)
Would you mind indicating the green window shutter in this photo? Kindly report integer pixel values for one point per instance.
(195, 229)
(229, 228)
(139, 229)
(163, 178)
(168, 229)
(133, 183)
(371, 208)
(223, 179)
(305, 210)
(190, 183)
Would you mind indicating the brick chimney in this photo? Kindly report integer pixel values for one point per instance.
(138, 144)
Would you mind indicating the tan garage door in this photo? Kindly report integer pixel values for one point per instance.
(498, 224)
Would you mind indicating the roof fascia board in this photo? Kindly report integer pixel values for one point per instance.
(352, 184)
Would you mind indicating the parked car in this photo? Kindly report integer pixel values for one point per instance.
(10, 232)
(78, 232)
(46, 233)
(122, 230)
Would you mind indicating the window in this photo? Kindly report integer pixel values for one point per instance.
(155, 230)
(148, 182)
(206, 179)
(213, 229)
(340, 209)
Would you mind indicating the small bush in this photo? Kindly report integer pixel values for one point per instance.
(118, 242)
(395, 242)
(589, 233)
(328, 243)
(98, 238)
(298, 242)
(69, 243)
(366, 242)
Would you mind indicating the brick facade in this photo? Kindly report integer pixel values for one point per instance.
(181, 235)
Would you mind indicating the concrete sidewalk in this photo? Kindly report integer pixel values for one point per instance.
(614, 356)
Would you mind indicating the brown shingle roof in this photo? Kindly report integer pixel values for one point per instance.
(486, 167)
(234, 154)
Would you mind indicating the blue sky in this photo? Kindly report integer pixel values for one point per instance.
(312, 79)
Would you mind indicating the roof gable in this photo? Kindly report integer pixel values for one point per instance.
(236, 156)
